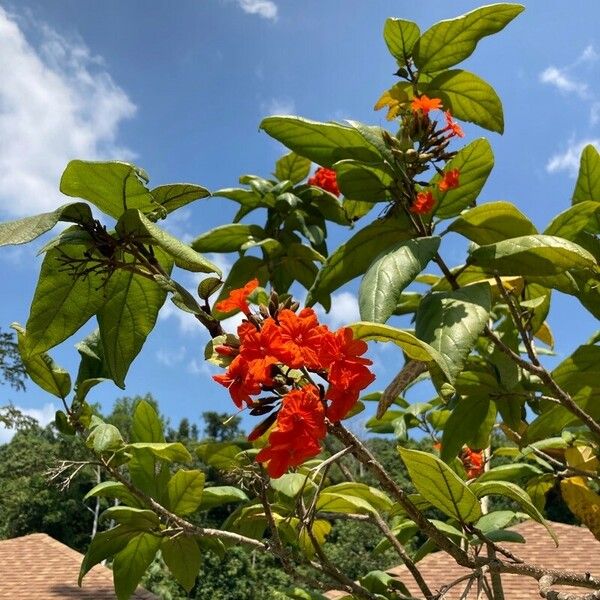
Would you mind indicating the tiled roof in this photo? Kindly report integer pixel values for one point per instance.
(578, 551)
(38, 567)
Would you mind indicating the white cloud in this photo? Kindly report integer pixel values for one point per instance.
(263, 8)
(589, 54)
(42, 415)
(170, 358)
(57, 102)
(279, 106)
(595, 113)
(344, 310)
(560, 79)
(568, 160)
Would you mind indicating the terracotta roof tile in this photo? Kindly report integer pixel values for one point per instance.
(578, 551)
(37, 566)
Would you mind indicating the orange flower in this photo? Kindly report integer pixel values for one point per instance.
(239, 381)
(423, 203)
(425, 104)
(473, 462)
(303, 336)
(449, 180)
(238, 299)
(452, 126)
(326, 179)
(266, 344)
(299, 427)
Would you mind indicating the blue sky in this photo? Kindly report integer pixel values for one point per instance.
(180, 88)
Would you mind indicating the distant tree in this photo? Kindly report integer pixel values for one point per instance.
(121, 415)
(12, 371)
(221, 427)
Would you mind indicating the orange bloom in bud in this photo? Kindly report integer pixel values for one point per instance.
(423, 203)
(238, 299)
(449, 180)
(299, 427)
(326, 179)
(425, 104)
(473, 462)
(452, 126)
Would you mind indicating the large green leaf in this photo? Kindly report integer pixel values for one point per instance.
(353, 258)
(292, 167)
(584, 215)
(474, 162)
(451, 41)
(588, 180)
(127, 317)
(104, 438)
(42, 369)
(146, 425)
(61, 303)
(113, 489)
(228, 238)
(111, 186)
(514, 492)
(532, 255)
(182, 556)
(412, 346)
(134, 222)
(175, 195)
(467, 417)
(510, 472)
(222, 494)
(359, 181)
(469, 98)
(376, 498)
(141, 518)
(172, 451)
(451, 322)
(492, 222)
(323, 143)
(131, 563)
(105, 544)
(185, 491)
(400, 37)
(390, 273)
(29, 228)
(441, 486)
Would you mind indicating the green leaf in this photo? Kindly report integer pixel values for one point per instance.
(451, 322)
(174, 451)
(492, 222)
(584, 215)
(133, 222)
(146, 425)
(134, 517)
(412, 346)
(376, 498)
(510, 472)
(343, 503)
(451, 41)
(185, 491)
(61, 304)
(105, 438)
(363, 182)
(468, 416)
(292, 167)
(356, 209)
(113, 489)
(532, 255)
(323, 143)
(390, 273)
(291, 484)
(28, 229)
(111, 186)
(514, 492)
(228, 238)
(441, 486)
(182, 556)
(127, 317)
(469, 98)
(219, 495)
(175, 195)
(474, 162)
(131, 563)
(400, 37)
(353, 258)
(588, 180)
(42, 369)
(220, 455)
(105, 545)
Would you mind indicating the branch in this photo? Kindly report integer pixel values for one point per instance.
(546, 591)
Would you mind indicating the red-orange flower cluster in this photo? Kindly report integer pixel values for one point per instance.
(449, 180)
(269, 347)
(326, 179)
(423, 203)
(452, 126)
(473, 462)
(425, 104)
